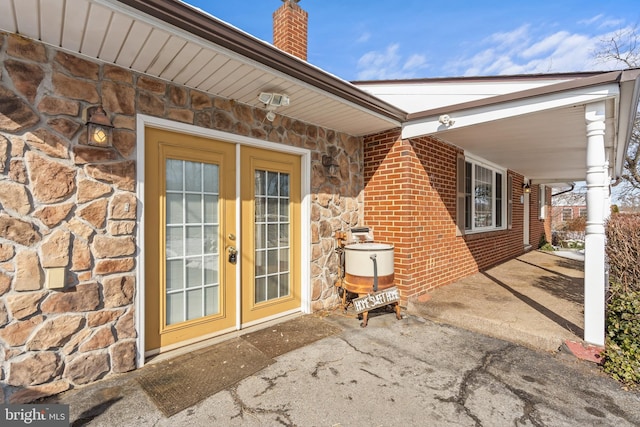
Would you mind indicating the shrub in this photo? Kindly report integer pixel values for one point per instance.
(576, 224)
(622, 341)
(547, 247)
(623, 250)
(542, 241)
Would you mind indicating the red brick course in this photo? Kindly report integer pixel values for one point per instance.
(410, 202)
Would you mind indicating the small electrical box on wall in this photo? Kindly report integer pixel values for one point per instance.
(55, 277)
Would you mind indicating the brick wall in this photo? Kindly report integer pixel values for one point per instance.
(539, 229)
(557, 214)
(410, 201)
(62, 207)
(290, 30)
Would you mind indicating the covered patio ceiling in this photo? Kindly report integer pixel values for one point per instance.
(173, 41)
(534, 125)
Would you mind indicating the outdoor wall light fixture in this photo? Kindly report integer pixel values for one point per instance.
(446, 120)
(330, 163)
(272, 101)
(98, 126)
(526, 187)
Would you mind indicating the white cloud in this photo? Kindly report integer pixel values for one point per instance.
(548, 44)
(601, 21)
(591, 20)
(510, 38)
(415, 62)
(390, 64)
(612, 23)
(364, 37)
(522, 51)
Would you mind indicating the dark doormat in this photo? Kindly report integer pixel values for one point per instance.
(179, 383)
(186, 380)
(287, 336)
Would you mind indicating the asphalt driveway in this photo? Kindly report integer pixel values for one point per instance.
(410, 372)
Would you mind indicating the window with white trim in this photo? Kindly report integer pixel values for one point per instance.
(481, 197)
(542, 201)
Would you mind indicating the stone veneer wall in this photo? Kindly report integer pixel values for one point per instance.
(64, 204)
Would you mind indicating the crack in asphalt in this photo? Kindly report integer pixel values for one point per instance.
(366, 353)
(529, 411)
(460, 398)
(271, 383)
(282, 415)
(528, 400)
(373, 375)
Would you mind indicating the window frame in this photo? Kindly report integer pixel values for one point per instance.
(466, 199)
(542, 202)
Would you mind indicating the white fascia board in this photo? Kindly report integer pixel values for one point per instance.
(628, 109)
(484, 114)
(415, 97)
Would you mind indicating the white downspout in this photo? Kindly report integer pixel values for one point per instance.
(597, 192)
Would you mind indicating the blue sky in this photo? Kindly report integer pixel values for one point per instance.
(370, 40)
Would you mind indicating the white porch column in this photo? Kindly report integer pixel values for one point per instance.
(597, 191)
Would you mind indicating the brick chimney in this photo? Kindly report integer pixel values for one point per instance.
(290, 29)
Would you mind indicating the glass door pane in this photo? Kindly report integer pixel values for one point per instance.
(269, 247)
(272, 235)
(192, 229)
(190, 206)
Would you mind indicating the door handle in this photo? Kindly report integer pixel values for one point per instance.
(233, 254)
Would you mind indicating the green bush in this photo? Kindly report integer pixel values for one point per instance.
(622, 341)
(542, 241)
(547, 247)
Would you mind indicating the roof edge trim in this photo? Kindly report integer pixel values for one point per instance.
(595, 80)
(475, 79)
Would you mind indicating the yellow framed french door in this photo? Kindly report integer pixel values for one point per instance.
(190, 215)
(271, 197)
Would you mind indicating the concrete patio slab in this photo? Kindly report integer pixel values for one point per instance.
(534, 300)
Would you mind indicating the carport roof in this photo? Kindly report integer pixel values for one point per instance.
(533, 124)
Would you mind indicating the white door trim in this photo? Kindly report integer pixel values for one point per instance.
(526, 219)
(143, 122)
